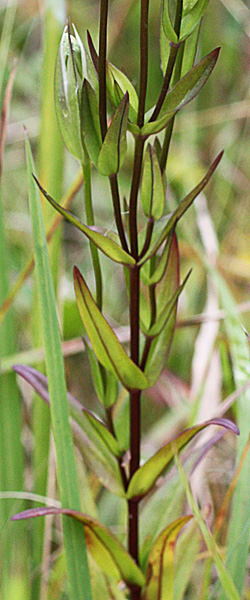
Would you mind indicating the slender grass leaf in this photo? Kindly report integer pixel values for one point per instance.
(90, 121)
(114, 146)
(226, 580)
(109, 554)
(74, 539)
(182, 208)
(105, 344)
(160, 567)
(239, 526)
(183, 92)
(152, 188)
(105, 244)
(90, 435)
(145, 477)
(163, 318)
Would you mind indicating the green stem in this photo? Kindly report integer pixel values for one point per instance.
(139, 145)
(86, 169)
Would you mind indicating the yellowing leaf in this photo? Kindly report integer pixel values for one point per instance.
(160, 567)
(105, 344)
(110, 555)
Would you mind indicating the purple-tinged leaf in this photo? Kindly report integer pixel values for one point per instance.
(110, 555)
(145, 477)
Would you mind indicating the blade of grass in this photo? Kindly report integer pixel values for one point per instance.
(224, 576)
(76, 558)
(50, 160)
(13, 563)
(239, 526)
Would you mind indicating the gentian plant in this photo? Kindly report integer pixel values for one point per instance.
(97, 107)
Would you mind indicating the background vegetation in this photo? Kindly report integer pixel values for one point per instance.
(209, 357)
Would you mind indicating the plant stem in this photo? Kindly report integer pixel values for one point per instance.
(117, 211)
(102, 67)
(139, 145)
(86, 169)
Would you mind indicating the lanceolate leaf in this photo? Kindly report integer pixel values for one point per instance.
(105, 244)
(144, 479)
(152, 189)
(160, 347)
(122, 85)
(90, 121)
(192, 18)
(160, 567)
(90, 436)
(114, 146)
(166, 312)
(105, 344)
(161, 265)
(110, 555)
(183, 206)
(183, 92)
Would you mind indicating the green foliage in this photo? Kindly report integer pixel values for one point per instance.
(126, 443)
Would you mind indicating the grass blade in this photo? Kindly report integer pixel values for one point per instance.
(74, 540)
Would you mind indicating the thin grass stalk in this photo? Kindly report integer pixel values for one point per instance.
(51, 158)
(74, 538)
(13, 564)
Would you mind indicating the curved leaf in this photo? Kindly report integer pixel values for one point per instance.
(105, 244)
(161, 267)
(160, 567)
(183, 92)
(191, 19)
(110, 555)
(114, 146)
(105, 344)
(183, 206)
(144, 479)
(122, 85)
(90, 436)
(152, 188)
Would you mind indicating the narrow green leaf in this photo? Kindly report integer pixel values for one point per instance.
(161, 267)
(183, 92)
(122, 85)
(191, 18)
(104, 433)
(160, 347)
(114, 146)
(190, 51)
(105, 344)
(109, 554)
(90, 121)
(226, 580)
(111, 391)
(167, 25)
(160, 567)
(105, 244)
(166, 311)
(152, 188)
(144, 479)
(183, 206)
(74, 539)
